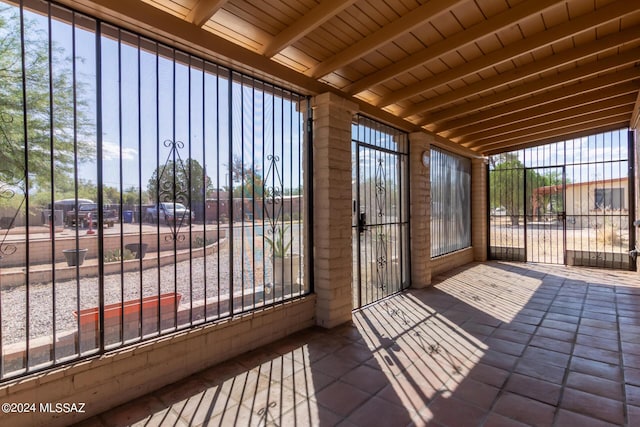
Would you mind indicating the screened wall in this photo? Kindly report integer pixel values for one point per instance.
(450, 202)
(142, 189)
(564, 203)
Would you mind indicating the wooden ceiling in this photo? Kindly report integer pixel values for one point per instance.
(490, 75)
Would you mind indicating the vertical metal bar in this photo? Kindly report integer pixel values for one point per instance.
(157, 207)
(526, 247)
(139, 255)
(264, 198)
(204, 192)
(230, 130)
(631, 177)
(190, 197)
(52, 224)
(99, 160)
(242, 191)
(253, 193)
(564, 215)
(75, 173)
(25, 125)
(120, 179)
(357, 210)
(308, 192)
(218, 164)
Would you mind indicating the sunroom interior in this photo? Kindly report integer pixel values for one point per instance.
(398, 204)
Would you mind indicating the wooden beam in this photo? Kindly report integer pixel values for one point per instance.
(203, 10)
(542, 85)
(612, 11)
(383, 36)
(464, 132)
(307, 23)
(612, 106)
(635, 116)
(455, 41)
(549, 63)
(561, 128)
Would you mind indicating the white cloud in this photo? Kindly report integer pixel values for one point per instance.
(111, 151)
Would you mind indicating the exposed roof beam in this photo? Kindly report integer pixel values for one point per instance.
(616, 106)
(521, 73)
(559, 32)
(455, 41)
(561, 128)
(544, 85)
(466, 131)
(307, 23)
(203, 10)
(607, 127)
(383, 36)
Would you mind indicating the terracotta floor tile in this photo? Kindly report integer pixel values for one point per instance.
(598, 332)
(489, 374)
(556, 334)
(141, 411)
(356, 352)
(534, 388)
(568, 418)
(598, 354)
(341, 398)
(594, 406)
(632, 376)
(513, 336)
(546, 356)
(518, 327)
(524, 409)
(633, 415)
(556, 324)
(633, 394)
(598, 342)
(631, 360)
(309, 413)
(380, 412)
(595, 385)
(602, 324)
(499, 360)
(593, 367)
(630, 348)
(334, 366)
(551, 344)
(366, 378)
(475, 393)
(497, 420)
(540, 370)
(453, 412)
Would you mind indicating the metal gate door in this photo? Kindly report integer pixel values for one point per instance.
(380, 223)
(545, 218)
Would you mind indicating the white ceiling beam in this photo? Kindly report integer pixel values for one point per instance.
(383, 36)
(307, 23)
(612, 11)
(203, 10)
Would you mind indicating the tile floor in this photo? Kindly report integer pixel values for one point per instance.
(494, 344)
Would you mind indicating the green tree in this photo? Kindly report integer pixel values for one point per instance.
(251, 184)
(48, 99)
(181, 181)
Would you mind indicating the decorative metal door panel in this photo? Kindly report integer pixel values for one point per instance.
(378, 227)
(545, 216)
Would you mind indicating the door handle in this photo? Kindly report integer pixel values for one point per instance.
(362, 222)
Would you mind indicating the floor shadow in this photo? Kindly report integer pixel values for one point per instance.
(488, 344)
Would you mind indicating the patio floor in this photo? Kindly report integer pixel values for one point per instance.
(492, 344)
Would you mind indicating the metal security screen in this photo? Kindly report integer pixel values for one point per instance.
(450, 202)
(143, 190)
(564, 203)
(380, 214)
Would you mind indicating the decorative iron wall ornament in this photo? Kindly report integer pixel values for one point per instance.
(9, 184)
(273, 194)
(381, 260)
(381, 189)
(174, 190)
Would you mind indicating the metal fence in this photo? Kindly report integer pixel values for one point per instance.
(564, 203)
(182, 184)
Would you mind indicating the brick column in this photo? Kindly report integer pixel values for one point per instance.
(479, 209)
(420, 210)
(333, 263)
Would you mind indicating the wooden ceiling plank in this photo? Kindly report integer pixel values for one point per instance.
(618, 91)
(531, 69)
(605, 14)
(554, 138)
(581, 91)
(203, 11)
(317, 16)
(568, 126)
(544, 85)
(612, 106)
(453, 42)
(383, 36)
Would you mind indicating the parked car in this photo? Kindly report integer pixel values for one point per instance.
(169, 213)
(109, 216)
